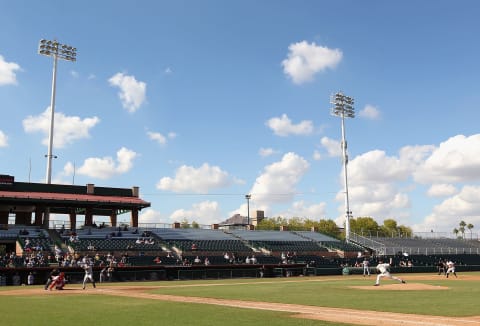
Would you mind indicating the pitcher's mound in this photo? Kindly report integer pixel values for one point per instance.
(401, 287)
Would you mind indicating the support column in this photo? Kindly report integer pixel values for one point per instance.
(113, 217)
(134, 219)
(39, 211)
(88, 216)
(73, 220)
(4, 218)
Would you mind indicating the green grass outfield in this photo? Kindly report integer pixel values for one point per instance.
(90, 308)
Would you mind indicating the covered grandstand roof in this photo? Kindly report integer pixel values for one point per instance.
(26, 196)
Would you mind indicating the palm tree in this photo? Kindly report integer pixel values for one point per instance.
(470, 227)
(462, 228)
(455, 231)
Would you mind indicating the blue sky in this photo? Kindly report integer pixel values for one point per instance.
(201, 102)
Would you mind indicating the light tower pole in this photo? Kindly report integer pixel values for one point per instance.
(248, 197)
(343, 108)
(57, 51)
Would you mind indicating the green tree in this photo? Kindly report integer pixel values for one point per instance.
(389, 228)
(462, 228)
(296, 224)
(195, 225)
(184, 224)
(329, 227)
(405, 231)
(364, 225)
(470, 227)
(268, 224)
(455, 231)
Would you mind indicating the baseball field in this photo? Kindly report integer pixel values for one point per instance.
(426, 299)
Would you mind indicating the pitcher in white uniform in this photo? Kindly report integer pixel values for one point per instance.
(384, 269)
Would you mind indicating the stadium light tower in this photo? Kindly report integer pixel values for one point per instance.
(57, 51)
(343, 108)
(248, 197)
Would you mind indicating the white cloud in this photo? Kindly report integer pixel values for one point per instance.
(206, 212)
(3, 139)
(332, 146)
(150, 216)
(370, 112)
(132, 92)
(159, 138)
(317, 156)
(374, 180)
(74, 74)
(376, 167)
(278, 181)
(188, 178)
(302, 210)
(441, 190)
(66, 129)
(448, 214)
(264, 152)
(168, 71)
(455, 160)
(304, 60)
(107, 167)
(283, 126)
(7, 72)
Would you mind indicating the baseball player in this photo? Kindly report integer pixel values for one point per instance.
(366, 267)
(384, 271)
(88, 267)
(58, 282)
(450, 268)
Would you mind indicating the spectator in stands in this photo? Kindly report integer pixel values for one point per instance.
(206, 261)
(157, 260)
(226, 256)
(197, 260)
(253, 260)
(194, 246)
(247, 260)
(139, 241)
(73, 238)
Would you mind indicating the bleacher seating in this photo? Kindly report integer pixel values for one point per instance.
(429, 246)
